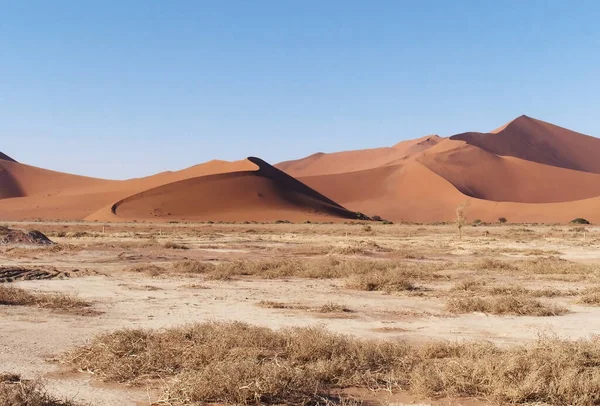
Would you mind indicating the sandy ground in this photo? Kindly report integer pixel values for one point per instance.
(32, 340)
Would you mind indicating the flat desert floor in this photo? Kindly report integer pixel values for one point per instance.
(503, 287)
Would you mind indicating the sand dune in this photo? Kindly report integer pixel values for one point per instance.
(248, 189)
(263, 194)
(351, 161)
(538, 141)
(526, 170)
(478, 173)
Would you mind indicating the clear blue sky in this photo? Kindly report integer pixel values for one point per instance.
(124, 88)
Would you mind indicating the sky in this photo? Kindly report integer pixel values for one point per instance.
(127, 88)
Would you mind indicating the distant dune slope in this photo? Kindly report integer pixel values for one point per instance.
(263, 194)
(481, 174)
(538, 141)
(526, 170)
(28, 192)
(351, 161)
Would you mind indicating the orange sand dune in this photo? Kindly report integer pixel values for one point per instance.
(538, 141)
(481, 174)
(528, 170)
(262, 194)
(350, 161)
(27, 193)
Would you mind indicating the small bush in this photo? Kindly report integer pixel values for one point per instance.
(235, 363)
(477, 222)
(376, 218)
(12, 296)
(175, 246)
(579, 220)
(15, 391)
(501, 305)
(502, 220)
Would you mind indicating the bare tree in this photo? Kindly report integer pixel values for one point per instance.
(461, 218)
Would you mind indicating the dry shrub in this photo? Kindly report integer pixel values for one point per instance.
(489, 264)
(359, 248)
(331, 307)
(590, 296)
(470, 286)
(381, 281)
(322, 268)
(193, 267)
(147, 269)
(13, 296)
(504, 305)
(550, 265)
(175, 246)
(235, 363)
(15, 391)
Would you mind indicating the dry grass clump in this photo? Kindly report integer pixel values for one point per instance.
(13, 296)
(331, 307)
(322, 268)
(15, 391)
(193, 267)
(175, 246)
(489, 264)
(147, 269)
(359, 248)
(481, 286)
(504, 305)
(539, 266)
(590, 296)
(235, 363)
(381, 281)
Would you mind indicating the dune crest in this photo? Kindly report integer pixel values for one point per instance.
(262, 194)
(5, 157)
(527, 170)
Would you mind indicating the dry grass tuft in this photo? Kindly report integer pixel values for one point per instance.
(381, 281)
(15, 391)
(193, 267)
(323, 268)
(331, 307)
(590, 296)
(13, 296)
(147, 269)
(504, 305)
(175, 246)
(235, 363)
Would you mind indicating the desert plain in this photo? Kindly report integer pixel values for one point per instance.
(357, 312)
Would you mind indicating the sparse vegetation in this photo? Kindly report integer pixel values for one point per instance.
(235, 363)
(331, 307)
(13, 296)
(175, 246)
(381, 281)
(15, 391)
(502, 220)
(461, 218)
(579, 220)
(504, 305)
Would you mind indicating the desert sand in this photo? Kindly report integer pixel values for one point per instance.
(128, 275)
(525, 171)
